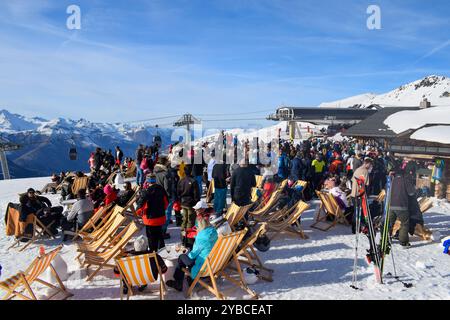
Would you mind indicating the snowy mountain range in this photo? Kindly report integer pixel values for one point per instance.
(434, 88)
(46, 143)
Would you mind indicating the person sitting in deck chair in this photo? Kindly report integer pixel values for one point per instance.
(140, 248)
(125, 195)
(79, 214)
(204, 242)
(30, 203)
(51, 187)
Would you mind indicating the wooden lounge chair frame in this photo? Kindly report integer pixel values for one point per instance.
(102, 224)
(263, 209)
(141, 276)
(214, 266)
(101, 259)
(39, 232)
(25, 279)
(248, 254)
(94, 223)
(236, 213)
(80, 183)
(328, 206)
(289, 222)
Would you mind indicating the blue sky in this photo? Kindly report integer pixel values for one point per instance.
(239, 59)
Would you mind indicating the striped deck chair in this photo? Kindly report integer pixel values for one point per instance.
(290, 222)
(101, 259)
(20, 284)
(131, 171)
(39, 230)
(263, 210)
(246, 254)
(130, 208)
(95, 222)
(236, 214)
(79, 183)
(214, 266)
(282, 185)
(328, 206)
(137, 271)
(107, 239)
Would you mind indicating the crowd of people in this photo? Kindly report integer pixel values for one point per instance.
(175, 183)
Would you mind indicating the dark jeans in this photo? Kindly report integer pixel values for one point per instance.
(183, 262)
(403, 216)
(54, 215)
(155, 237)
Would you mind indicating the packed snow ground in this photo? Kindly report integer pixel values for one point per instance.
(317, 268)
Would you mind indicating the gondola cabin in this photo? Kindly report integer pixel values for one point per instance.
(73, 153)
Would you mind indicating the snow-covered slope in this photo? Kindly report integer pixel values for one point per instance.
(434, 88)
(317, 268)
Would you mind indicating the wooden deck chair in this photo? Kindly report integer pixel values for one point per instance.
(103, 224)
(39, 230)
(303, 184)
(101, 259)
(255, 196)
(17, 285)
(106, 239)
(210, 191)
(79, 183)
(130, 206)
(94, 223)
(246, 254)
(282, 185)
(236, 214)
(328, 206)
(259, 181)
(263, 209)
(222, 253)
(290, 222)
(425, 204)
(137, 271)
(111, 178)
(381, 196)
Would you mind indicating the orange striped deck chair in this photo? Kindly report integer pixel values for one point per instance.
(94, 223)
(246, 254)
(264, 209)
(290, 221)
(328, 207)
(20, 284)
(39, 230)
(137, 271)
(107, 238)
(101, 259)
(222, 253)
(79, 183)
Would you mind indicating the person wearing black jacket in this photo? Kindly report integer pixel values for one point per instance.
(152, 204)
(219, 175)
(189, 194)
(40, 206)
(242, 182)
(297, 168)
(98, 158)
(165, 179)
(401, 190)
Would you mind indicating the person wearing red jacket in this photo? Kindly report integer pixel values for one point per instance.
(152, 204)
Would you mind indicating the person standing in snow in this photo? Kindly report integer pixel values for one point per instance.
(242, 182)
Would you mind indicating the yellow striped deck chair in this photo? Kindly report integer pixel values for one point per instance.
(246, 254)
(106, 240)
(94, 223)
(20, 284)
(137, 271)
(101, 259)
(256, 194)
(290, 221)
(79, 183)
(282, 185)
(328, 206)
(222, 253)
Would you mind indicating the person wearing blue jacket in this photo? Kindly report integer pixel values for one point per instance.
(204, 242)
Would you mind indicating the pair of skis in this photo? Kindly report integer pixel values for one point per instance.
(376, 254)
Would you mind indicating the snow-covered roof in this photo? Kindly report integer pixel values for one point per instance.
(405, 120)
(438, 133)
